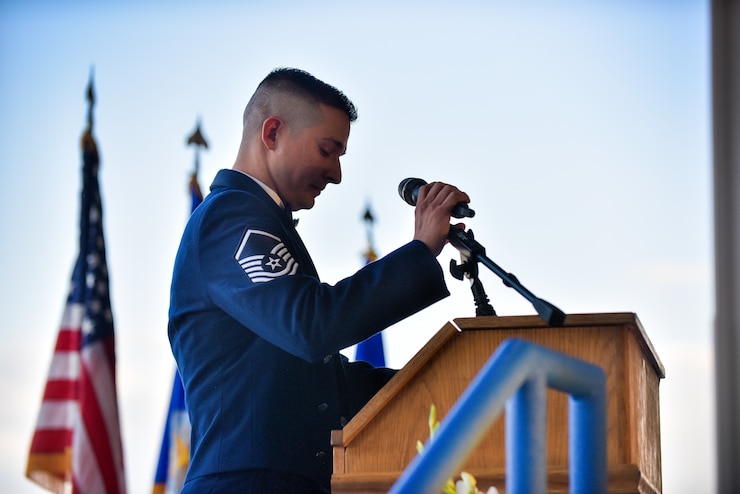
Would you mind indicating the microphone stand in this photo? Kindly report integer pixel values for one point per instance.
(473, 252)
(470, 269)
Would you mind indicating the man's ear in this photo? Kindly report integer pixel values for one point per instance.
(270, 128)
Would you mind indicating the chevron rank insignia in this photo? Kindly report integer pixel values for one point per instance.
(264, 257)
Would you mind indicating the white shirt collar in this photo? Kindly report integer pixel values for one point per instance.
(270, 192)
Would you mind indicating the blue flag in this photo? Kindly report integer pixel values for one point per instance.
(174, 454)
(371, 350)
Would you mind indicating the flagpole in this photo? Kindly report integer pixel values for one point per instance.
(197, 140)
(173, 461)
(371, 350)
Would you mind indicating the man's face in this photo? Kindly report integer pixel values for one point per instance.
(307, 159)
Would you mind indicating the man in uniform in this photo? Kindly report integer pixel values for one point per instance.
(255, 333)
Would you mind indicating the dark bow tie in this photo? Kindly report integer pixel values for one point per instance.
(289, 213)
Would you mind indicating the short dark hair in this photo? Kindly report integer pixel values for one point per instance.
(305, 85)
(283, 91)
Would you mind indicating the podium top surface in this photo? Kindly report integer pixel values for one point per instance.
(628, 319)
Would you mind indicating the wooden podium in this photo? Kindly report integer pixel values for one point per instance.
(380, 441)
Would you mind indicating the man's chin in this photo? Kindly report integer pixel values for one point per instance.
(307, 204)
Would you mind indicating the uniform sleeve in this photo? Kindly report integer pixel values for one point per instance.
(252, 272)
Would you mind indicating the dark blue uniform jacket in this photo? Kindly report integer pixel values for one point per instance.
(256, 335)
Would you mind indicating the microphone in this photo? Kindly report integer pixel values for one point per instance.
(408, 189)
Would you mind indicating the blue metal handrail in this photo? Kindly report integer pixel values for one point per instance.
(517, 377)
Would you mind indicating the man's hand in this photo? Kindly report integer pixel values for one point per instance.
(433, 210)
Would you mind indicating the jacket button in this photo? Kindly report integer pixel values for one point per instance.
(322, 407)
(327, 359)
(320, 454)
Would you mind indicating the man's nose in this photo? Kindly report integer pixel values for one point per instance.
(334, 174)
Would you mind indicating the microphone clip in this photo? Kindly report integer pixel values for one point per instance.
(468, 268)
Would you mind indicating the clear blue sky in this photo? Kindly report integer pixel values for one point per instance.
(580, 129)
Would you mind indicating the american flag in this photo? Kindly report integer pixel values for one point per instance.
(76, 446)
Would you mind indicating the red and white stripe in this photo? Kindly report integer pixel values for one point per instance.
(77, 439)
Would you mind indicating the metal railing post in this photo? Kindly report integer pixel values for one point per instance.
(526, 437)
(587, 444)
(519, 372)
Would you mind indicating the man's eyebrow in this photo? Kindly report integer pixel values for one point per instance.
(338, 144)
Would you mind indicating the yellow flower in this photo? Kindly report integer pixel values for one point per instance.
(433, 422)
(449, 487)
(467, 483)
